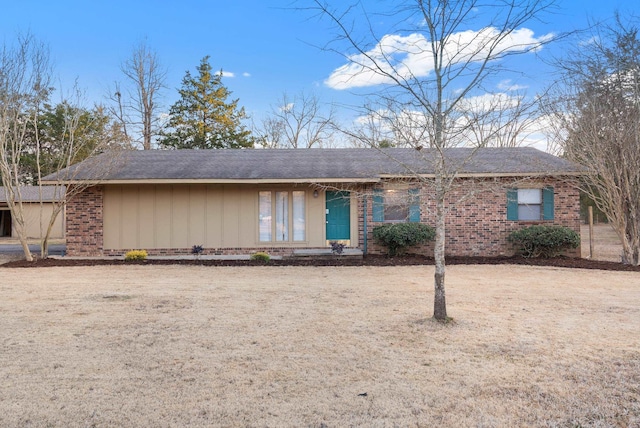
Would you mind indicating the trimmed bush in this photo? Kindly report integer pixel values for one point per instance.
(261, 257)
(397, 237)
(136, 255)
(544, 241)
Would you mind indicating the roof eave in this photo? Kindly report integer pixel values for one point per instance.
(490, 175)
(224, 181)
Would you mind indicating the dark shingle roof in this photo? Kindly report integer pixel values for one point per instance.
(32, 193)
(317, 164)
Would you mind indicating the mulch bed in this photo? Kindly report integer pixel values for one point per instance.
(565, 262)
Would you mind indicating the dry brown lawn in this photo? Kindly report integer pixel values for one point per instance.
(200, 346)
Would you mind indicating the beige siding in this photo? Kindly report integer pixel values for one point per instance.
(147, 210)
(36, 225)
(130, 217)
(247, 219)
(231, 221)
(180, 219)
(317, 231)
(353, 207)
(161, 223)
(215, 208)
(197, 214)
(180, 216)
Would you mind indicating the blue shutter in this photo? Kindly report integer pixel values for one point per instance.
(378, 205)
(512, 204)
(547, 203)
(414, 207)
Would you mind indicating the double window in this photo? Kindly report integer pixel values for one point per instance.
(396, 205)
(530, 204)
(282, 216)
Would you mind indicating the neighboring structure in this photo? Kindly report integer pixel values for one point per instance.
(34, 211)
(241, 201)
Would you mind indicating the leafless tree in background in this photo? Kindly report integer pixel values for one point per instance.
(136, 103)
(501, 120)
(595, 109)
(297, 122)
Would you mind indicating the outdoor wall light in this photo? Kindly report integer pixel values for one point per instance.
(315, 193)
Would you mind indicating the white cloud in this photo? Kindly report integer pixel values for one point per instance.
(588, 42)
(225, 73)
(286, 108)
(410, 56)
(506, 85)
(245, 74)
(489, 102)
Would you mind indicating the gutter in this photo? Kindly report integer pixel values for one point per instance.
(364, 228)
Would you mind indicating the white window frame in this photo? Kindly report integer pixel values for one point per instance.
(530, 204)
(282, 216)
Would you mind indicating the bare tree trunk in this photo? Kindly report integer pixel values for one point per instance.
(439, 301)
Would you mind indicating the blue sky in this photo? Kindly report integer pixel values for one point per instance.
(268, 45)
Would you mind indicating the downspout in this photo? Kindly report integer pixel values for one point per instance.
(364, 227)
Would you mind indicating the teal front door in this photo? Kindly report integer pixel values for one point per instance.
(337, 216)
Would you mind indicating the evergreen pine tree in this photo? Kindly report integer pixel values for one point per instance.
(203, 118)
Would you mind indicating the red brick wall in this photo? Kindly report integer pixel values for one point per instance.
(84, 223)
(477, 222)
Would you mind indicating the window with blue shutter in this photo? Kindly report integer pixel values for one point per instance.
(512, 204)
(414, 205)
(530, 204)
(396, 205)
(547, 203)
(378, 205)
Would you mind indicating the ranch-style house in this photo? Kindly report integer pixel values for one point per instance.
(283, 201)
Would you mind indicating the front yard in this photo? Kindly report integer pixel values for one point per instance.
(293, 346)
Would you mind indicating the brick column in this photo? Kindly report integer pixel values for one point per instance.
(84, 225)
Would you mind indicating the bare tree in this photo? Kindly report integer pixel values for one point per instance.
(501, 120)
(297, 122)
(270, 134)
(25, 76)
(595, 109)
(444, 52)
(369, 130)
(136, 103)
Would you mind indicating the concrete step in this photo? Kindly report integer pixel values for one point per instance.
(323, 253)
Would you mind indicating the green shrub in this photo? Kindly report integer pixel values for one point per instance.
(261, 257)
(136, 255)
(398, 236)
(544, 241)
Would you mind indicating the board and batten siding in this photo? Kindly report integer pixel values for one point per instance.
(150, 216)
(36, 219)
